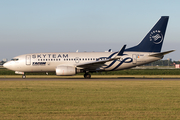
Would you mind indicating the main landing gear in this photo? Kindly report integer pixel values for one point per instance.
(87, 76)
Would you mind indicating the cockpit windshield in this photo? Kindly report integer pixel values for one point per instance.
(14, 59)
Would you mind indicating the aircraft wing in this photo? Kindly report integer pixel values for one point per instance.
(96, 64)
(161, 54)
(92, 65)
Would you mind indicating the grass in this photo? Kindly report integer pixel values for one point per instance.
(91, 99)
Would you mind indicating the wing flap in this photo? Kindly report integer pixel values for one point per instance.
(91, 65)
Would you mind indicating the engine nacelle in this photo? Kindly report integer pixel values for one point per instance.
(65, 70)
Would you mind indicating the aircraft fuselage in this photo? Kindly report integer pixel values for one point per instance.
(47, 62)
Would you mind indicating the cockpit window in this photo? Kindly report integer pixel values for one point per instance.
(15, 59)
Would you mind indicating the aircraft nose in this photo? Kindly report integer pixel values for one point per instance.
(6, 65)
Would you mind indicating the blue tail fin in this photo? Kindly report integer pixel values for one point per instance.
(154, 39)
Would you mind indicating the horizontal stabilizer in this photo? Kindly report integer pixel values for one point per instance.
(161, 54)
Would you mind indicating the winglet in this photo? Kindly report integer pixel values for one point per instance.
(120, 53)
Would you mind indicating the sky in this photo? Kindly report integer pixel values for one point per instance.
(36, 26)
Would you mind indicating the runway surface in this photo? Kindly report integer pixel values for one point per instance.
(92, 79)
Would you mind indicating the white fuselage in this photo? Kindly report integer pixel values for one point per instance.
(46, 62)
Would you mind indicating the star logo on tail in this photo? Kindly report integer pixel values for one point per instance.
(156, 36)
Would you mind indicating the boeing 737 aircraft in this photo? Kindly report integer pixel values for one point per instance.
(148, 50)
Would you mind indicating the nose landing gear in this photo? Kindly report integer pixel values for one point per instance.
(23, 76)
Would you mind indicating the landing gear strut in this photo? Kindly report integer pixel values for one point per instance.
(24, 76)
(87, 76)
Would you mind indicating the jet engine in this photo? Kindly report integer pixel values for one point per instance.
(65, 70)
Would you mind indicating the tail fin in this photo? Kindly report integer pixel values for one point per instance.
(154, 39)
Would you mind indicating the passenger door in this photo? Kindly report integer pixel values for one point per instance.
(28, 60)
(134, 58)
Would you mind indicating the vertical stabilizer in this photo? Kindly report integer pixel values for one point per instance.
(153, 41)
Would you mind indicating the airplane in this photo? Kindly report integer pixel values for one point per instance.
(67, 64)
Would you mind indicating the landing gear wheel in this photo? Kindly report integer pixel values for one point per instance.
(24, 76)
(87, 76)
